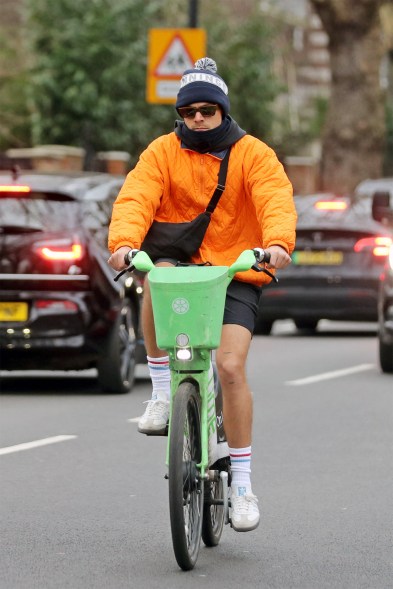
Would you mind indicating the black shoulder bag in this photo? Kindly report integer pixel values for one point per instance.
(181, 240)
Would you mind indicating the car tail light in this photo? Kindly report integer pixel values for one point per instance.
(63, 250)
(56, 305)
(378, 245)
(14, 188)
(331, 205)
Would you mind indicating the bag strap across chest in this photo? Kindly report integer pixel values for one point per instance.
(222, 176)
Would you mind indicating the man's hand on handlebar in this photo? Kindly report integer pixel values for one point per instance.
(117, 261)
(278, 257)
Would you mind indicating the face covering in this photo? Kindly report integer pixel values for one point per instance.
(213, 140)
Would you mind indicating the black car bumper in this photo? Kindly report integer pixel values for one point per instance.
(319, 302)
(65, 325)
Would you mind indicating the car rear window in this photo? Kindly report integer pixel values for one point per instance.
(43, 214)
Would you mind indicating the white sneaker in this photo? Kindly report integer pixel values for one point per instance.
(245, 512)
(156, 416)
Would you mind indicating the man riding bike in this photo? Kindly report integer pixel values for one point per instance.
(173, 181)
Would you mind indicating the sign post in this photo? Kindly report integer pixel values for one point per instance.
(170, 52)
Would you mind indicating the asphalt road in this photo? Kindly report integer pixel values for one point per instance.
(83, 500)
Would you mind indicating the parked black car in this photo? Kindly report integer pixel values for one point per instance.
(339, 256)
(60, 308)
(383, 211)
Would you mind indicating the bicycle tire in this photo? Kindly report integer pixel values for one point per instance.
(185, 485)
(213, 510)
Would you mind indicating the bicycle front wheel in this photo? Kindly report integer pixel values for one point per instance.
(185, 483)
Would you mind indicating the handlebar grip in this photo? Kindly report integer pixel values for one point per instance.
(261, 255)
(129, 255)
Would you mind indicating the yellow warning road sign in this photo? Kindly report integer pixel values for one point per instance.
(170, 52)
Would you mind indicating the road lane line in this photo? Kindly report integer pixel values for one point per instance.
(328, 375)
(35, 444)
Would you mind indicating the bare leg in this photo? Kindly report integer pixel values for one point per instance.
(238, 412)
(156, 414)
(148, 328)
(237, 398)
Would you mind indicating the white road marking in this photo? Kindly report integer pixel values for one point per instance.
(134, 419)
(329, 375)
(35, 444)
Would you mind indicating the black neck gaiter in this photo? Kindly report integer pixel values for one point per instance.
(213, 140)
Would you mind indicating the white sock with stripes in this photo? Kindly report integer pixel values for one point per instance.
(160, 376)
(241, 467)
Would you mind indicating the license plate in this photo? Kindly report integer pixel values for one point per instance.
(10, 311)
(324, 258)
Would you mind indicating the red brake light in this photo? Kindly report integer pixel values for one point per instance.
(15, 188)
(379, 245)
(56, 305)
(71, 252)
(391, 256)
(331, 205)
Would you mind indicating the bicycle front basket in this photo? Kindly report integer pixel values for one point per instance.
(189, 300)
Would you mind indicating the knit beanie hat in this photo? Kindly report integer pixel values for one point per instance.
(203, 84)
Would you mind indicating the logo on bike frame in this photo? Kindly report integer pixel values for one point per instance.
(180, 306)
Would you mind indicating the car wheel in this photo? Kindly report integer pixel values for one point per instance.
(306, 324)
(263, 327)
(386, 356)
(116, 368)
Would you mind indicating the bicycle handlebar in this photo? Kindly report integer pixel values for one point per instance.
(261, 256)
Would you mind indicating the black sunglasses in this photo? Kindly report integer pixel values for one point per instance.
(189, 112)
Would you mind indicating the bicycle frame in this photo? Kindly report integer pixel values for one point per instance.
(188, 307)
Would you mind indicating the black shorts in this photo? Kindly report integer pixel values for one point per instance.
(241, 303)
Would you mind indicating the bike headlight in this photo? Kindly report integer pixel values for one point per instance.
(183, 354)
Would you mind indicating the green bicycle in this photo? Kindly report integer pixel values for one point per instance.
(188, 306)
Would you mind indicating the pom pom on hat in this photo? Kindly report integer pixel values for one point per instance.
(206, 63)
(203, 84)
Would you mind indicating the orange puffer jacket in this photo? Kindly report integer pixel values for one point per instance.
(174, 184)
